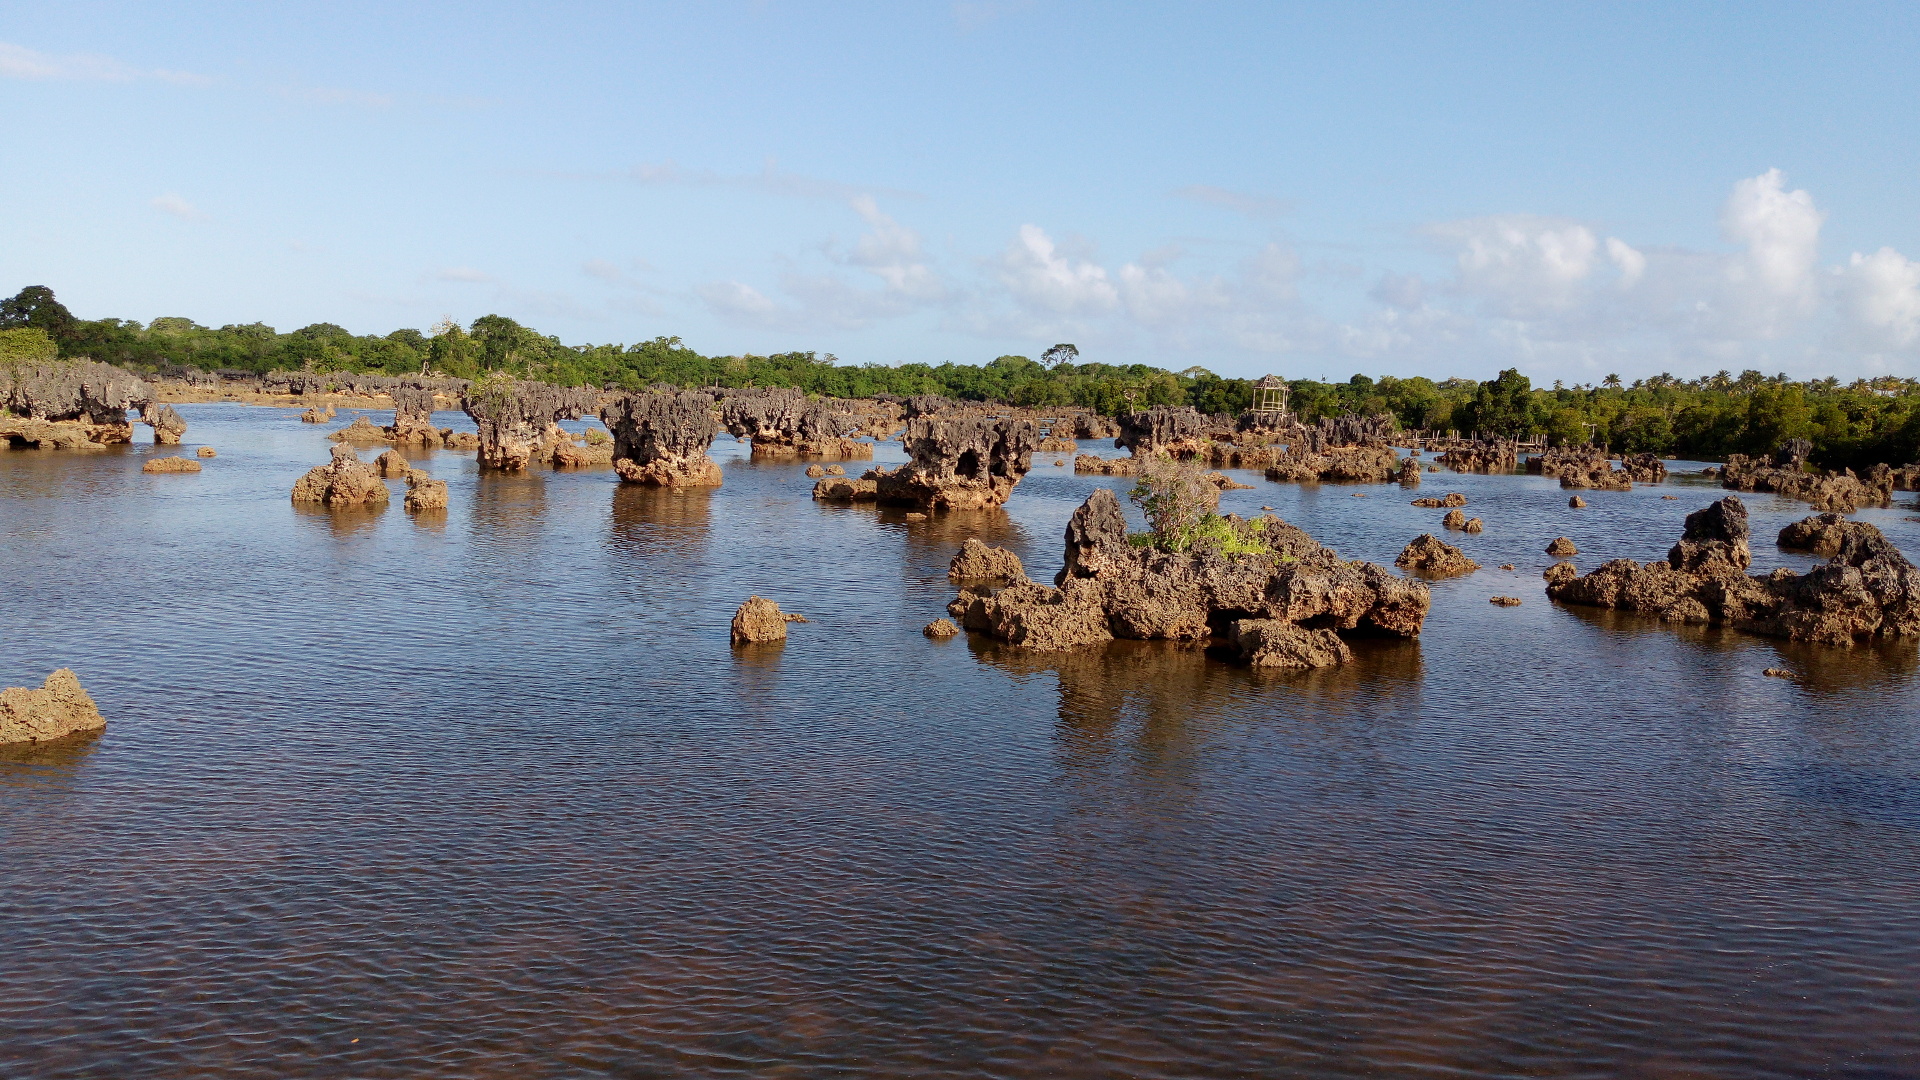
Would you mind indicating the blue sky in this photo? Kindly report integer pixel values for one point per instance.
(1311, 190)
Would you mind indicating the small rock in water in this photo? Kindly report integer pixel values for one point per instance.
(206, 451)
(836, 470)
(1777, 673)
(1507, 566)
(170, 465)
(1359, 495)
(1269, 509)
(815, 472)
(1057, 465)
(1506, 601)
(1473, 525)
(60, 707)
(1576, 502)
(1562, 548)
(941, 628)
(758, 620)
(915, 515)
(1670, 498)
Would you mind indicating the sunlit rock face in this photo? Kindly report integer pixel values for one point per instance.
(661, 439)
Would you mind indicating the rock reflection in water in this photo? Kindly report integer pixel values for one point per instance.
(343, 522)
(1819, 669)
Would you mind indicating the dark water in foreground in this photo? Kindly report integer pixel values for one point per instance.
(491, 796)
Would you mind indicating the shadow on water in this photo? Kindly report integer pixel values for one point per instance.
(650, 521)
(509, 507)
(344, 522)
(1818, 669)
(66, 753)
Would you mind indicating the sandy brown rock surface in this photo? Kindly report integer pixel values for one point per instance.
(58, 709)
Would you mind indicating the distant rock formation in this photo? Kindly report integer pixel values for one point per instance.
(1482, 456)
(1099, 466)
(1431, 556)
(1111, 588)
(58, 709)
(1176, 431)
(413, 415)
(787, 423)
(1435, 502)
(391, 465)
(514, 417)
(1562, 548)
(1576, 503)
(1582, 467)
(316, 414)
(959, 463)
(207, 452)
(345, 481)
(1785, 471)
(1822, 534)
(1868, 590)
(361, 432)
(661, 439)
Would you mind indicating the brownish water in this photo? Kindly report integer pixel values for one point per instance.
(492, 796)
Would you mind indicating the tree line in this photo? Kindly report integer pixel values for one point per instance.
(1707, 418)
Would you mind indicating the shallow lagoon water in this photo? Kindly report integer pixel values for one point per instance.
(490, 795)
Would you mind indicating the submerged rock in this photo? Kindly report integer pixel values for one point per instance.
(1561, 548)
(661, 439)
(170, 465)
(344, 481)
(58, 709)
(1504, 601)
(1576, 503)
(1429, 555)
(1455, 519)
(1868, 590)
(846, 489)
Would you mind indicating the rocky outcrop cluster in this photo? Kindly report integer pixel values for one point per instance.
(58, 709)
(1176, 431)
(1482, 456)
(1430, 556)
(1436, 502)
(518, 418)
(1867, 590)
(317, 414)
(786, 423)
(958, 463)
(424, 493)
(1111, 588)
(346, 481)
(69, 404)
(661, 439)
(1644, 468)
(1088, 425)
(1096, 465)
(1581, 467)
(362, 432)
(413, 415)
(1299, 464)
(1786, 472)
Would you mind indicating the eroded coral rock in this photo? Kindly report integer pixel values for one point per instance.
(784, 422)
(361, 432)
(760, 620)
(1822, 534)
(170, 465)
(207, 452)
(392, 465)
(168, 427)
(1576, 503)
(1429, 555)
(1785, 471)
(1867, 590)
(343, 481)
(424, 493)
(846, 489)
(1281, 644)
(661, 439)
(959, 463)
(1562, 548)
(1099, 466)
(317, 415)
(978, 561)
(1482, 455)
(68, 404)
(1434, 502)
(1455, 519)
(58, 709)
(940, 628)
(515, 417)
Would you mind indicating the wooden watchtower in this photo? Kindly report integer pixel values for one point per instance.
(1270, 398)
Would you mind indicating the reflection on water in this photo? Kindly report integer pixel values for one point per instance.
(495, 796)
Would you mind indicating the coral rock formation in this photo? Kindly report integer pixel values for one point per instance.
(661, 439)
(1576, 503)
(317, 415)
(1482, 455)
(1562, 548)
(959, 463)
(424, 492)
(1282, 644)
(1455, 519)
(1867, 590)
(344, 481)
(1435, 502)
(170, 465)
(1785, 472)
(166, 424)
(1822, 534)
(361, 432)
(392, 465)
(207, 452)
(940, 629)
(59, 708)
(1099, 466)
(786, 423)
(515, 417)
(760, 620)
(68, 404)
(1431, 556)
(978, 561)
(846, 489)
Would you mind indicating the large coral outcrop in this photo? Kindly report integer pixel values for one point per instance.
(1431, 556)
(345, 481)
(1179, 431)
(959, 463)
(1786, 472)
(68, 404)
(1868, 590)
(58, 709)
(1111, 588)
(784, 422)
(168, 427)
(1822, 534)
(413, 415)
(980, 561)
(515, 417)
(1482, 456)
(661, 439)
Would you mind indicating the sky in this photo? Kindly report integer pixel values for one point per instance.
(1574, 190)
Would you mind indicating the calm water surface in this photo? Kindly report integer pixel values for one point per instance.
(490, 795)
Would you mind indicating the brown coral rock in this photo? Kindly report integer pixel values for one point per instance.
(940, 628)
(1562, 548)
(424, 492)
(1276, 643)
(1505, 601)
(1576, 503)
(206, 452)
(391, 465)
(1455, 519)
(846, 490)
(757, 621)
(344, 481)
(170, 465)
(978, 561)
(59, 708)
(1429, 555)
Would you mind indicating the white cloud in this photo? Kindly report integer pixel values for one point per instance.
(20, 62)
(1781, 230)
(1040, 277)
(1881, 294)
(173, 204)
(603, 270)
(1517, 264)
(894, 254)
(1631, 264)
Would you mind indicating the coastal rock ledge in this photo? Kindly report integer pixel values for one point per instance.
(57, 709)
(1267, 605)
